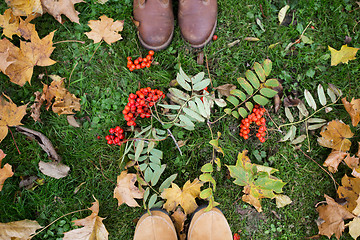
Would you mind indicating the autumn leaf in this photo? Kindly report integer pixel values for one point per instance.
(93, 227)
(126, 191)
(332, 218)
(10, 115)
(25, 7)
(27, 29)
(179, 218)
(343, 56)
(335, 135)
(4, 63)
(105, 29)
(257, 181)
(353, 108)
(185, 197)
(354, 228)
(334, 159)
(225, 89)
(58, 7)
(349, 191)
(9, 23)
(18, 230)
(5, 172)
(351, 162)
(356, 211)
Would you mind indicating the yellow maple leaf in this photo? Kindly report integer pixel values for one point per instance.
(27, 29)
(105, 29)
(5, 172)
(349, 191)
(344, 55)
(93, 227)
(25, 7)
(58, 7)
(18, 230)
(335, 135)
(9, 23)
(353, 108)
(354, 228)
(4, 54)
(10, 115)
(185, 197)
(126, 191)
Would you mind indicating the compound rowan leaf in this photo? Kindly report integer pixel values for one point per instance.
(344, 55)
(335, 135)
(332, 218)
(58, 7)
(353, 108)
(25, 7)
(105, 29)
(126, 191)
(93, 227)
(18, 230)
(5, 172)
(185, 197)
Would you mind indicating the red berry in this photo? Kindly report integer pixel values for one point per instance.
(109, 142)
(128, 58)
(137, 66)
(117, 129)
(108, 137)
(215, 37)
(111, 130)
(151, 53)
(98, 137)
(236, 236)
(140, 59)
(246, 137)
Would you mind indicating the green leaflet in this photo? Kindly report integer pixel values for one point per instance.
(181, 81)
(267, 65)
(167, 182)
(235, 114)
(246, 86)
(201, 85)
(152, 201)
(260, 100)
(249, 106)
(193, 114)
(233, 100)
(207, 168)
(174, 107)
(243, 113)
(260, 71)
(179, 94)
(198, 77)
(268, 92)
(204, 194)
(272, 83)
(250, 75)
(239, 94)
(227, 111)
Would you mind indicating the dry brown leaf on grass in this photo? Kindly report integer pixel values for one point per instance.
(54, 169)
(353, 108)
(344, 55)
(105, 29)
(5, 172)
(93, 227)
(9, 23)
(354, 228)
(19, 230)
(185, 197)
(58, 7)
(331, 218)
(10, 115)
(179, 218)
(25, 7)
(335, 135)
(351, 162)
(356, 211)
(334, 159)
(225, 89)
(4, 63)
(349, 191)
(126, 191)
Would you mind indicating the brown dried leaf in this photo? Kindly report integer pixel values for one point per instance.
(334, 159)
(333, 216)
(18, 230)
(5, 172)
(126, 191)
(93, 228)
(72, 122)
(27, 29)
(291, 102)
(353, 108)
(58, 7)
(349, 191)
(352, 162)
(35, 108)
(356, 211)
(358, 152)
(105, 29)
(179, 218)
(335, 135)
(25, 7)
(200, 58)
(3, 59)
(54, 169)
(67, 104)
(225, 89)
(9, 23)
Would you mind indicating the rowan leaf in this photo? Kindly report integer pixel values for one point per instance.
(344, 55)
(185, 197)
(282, 13)
(282, 200)
(353, 108)
(58, 7)
(335, 135)
(251, 77)
(18, 230)
(126, 191)
(321, 95)
(5, 172)
(93, 227)
(105, 29)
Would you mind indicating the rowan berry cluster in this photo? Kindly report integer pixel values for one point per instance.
(116, 136)
(255, 117)
(140, 62)
(140, 103)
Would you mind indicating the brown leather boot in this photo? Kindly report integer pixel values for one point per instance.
(197, 21)
(156, 23)
(158, 226)
(211, 225)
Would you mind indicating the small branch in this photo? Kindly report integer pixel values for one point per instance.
(207, 66)
(268, 115)
(101, 169)
(72, 72)
(335, 183)
(95, 51)
(66, 41)
(14, 140)
(212, 138)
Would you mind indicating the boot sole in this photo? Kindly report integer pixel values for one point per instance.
(158, 48)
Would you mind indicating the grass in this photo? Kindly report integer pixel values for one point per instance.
(103, 83)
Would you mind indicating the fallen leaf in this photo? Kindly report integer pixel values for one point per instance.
(4, 63)
(291, 102)
(179, 218)
(72, 122)
(27, 181)
(352, 162)
(35, 108)
(344, 55)
(334, 159)
(282, 13)
(58, 7)
(333, 216)
(349, 191)
(335, 135)
(354, 228)
(9, 23)
(233, 43)
(251, 39)
(356, 172)
(200, 58)
(25, 7)
(225, 89)
(18, 230)
(358, 152)
(93, 227)
(27, 29)
(185, 197)
(126, 191)
(282, 200)
(356, 211)
(54, 169)
(353, 108)
(5, 172)
(105, 29)
(10, 115)
(67, 104)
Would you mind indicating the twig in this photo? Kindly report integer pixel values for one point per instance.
(335, 183)
(57, 220)
(262, 11)
(95, 51)
(207, 66)
(212, 138)
(65, 41)
(268, 115)
(14, 140)
(319, 203)
(101, 169)
(72, 72)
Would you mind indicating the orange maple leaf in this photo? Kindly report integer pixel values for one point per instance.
(353, 108)
(4, 54)
(9, 23)
(18, 230)
(105, 29)
(126, 191)
(58, 7)
(335, 135)
(349, 191)
(334, 159)
(6, 171)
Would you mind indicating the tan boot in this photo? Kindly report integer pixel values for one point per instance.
(156, 23)
(197, 21)
(211, 225)
(158, 226)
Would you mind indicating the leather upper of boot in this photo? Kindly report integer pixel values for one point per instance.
(197, 20)
(156, 22)
(211, 225)
(158, 226)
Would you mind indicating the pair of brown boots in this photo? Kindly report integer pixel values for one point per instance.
(197, 21)
(211, 225)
